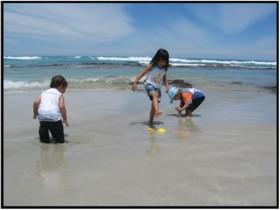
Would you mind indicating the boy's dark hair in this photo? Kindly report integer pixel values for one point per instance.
(161, 54)
(57, 81)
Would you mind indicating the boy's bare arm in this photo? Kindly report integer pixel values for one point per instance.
(187, 103)
(63, 110)
(36, 106)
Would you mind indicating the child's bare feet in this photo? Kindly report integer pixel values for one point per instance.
(151, 125)
(188, 113)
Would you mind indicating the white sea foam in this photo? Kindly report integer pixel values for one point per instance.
(183, 60)
(8, 85)
(22, 57)
(120, 81)
(90, 61)
(92, 57)
(135, 59)
(225, 62)
(190, 62)
(252, 62)
(187, 64)
(88, 80)
(96, 82)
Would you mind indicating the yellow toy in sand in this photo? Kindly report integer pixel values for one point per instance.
(158, 130)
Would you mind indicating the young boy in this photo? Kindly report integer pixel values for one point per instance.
(190, 99)
(50, 108)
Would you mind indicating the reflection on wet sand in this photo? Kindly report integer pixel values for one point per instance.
(51, 168)
(185, 128)
(154, 145)
(183, 132)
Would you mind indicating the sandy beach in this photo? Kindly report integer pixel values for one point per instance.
(225, 155)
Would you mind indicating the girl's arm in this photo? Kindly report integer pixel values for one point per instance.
(139, 76)
(165, 83)
(36, 106)
(63, 111)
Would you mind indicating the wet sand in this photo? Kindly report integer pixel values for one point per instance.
(225, 155)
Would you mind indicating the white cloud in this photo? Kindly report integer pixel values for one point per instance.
(233, 18)
(237, 17)
(266, 42)
(95, 22)
(266, 47)
(187, 30)
(179, 35)
(106, 29)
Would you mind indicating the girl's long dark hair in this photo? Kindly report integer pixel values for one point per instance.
(161, 54)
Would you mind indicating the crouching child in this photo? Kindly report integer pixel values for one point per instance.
(190, 99)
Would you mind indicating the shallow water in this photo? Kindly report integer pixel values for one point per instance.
(217, 158)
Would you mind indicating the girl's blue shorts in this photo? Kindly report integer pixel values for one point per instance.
(150, 89)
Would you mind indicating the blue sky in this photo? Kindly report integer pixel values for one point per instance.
(187, 30)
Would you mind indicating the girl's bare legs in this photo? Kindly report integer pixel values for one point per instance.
(152, 115)
(154, 109)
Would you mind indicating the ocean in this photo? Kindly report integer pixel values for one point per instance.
(99, 72)
(217, 157)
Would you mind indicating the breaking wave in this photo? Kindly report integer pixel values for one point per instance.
(90, 83)
(22, 57)
(86, 61)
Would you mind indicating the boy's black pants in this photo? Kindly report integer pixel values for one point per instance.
(55, 128)
(195, 103)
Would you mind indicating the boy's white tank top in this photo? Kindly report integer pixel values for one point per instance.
(155, 76)
(192, 90)
(48, 108)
